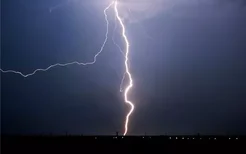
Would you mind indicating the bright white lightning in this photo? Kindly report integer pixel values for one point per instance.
(95, 58)
(115, 28)
(126, 66)
(71, 63)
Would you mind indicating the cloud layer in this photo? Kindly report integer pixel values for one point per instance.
(145, 9)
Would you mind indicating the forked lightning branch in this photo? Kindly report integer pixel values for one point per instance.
(114, 5)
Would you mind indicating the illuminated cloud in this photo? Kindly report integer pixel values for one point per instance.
(138, 10)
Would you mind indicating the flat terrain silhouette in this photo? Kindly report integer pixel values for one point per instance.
(123, 144)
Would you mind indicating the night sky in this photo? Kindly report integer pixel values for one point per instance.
(187, 62)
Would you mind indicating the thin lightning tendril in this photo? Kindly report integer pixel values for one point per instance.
(127, 73)
(115, 28)
(71, 63)
(122, 82)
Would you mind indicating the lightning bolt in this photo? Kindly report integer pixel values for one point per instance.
(115, 28)
(126, 67)
(71, 63)
(126, 54)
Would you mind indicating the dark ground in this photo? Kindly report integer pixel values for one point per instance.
(128, 144)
